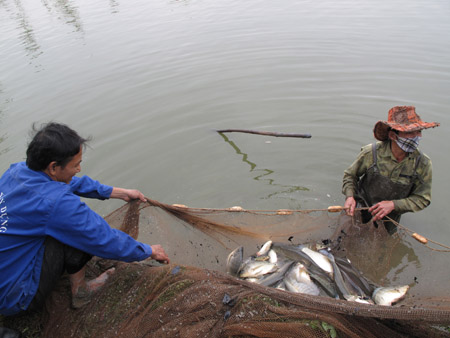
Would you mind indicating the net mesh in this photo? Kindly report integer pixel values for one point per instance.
(195, 297)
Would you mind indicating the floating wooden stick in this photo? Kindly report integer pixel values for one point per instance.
(266, 133)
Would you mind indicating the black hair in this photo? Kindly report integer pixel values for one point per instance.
(53, 142)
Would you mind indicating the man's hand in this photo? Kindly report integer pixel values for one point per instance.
(381, 209)
(158, 254)
(350, 205)
(127, 194)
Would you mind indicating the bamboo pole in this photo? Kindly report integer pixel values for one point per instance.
(266, 133)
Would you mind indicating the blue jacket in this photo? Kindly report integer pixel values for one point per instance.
(33, 206)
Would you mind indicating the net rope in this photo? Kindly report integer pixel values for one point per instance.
(195, 297)
(352, 233)
(178, 209)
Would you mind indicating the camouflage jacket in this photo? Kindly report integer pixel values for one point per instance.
(420, 196)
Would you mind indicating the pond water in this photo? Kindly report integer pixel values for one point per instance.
(151, 81)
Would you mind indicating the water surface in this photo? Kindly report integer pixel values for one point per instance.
(151, 81)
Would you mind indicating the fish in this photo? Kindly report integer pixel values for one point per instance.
(293, 253)
(344, 288)
(254, 268)
(264, 249)
(354, 276)
(389, 295)
(321, 260)
(324, 282)
(297, 280)
(296, 254)
(273, 257)
(277, 276)
(309, 269)
(316, 273)
(234, 261)
(359, 299)
(252, 280)
(270, 256)
(355, 289)
(280, 286)
(350, 277)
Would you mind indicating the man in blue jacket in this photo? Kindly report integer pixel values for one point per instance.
(45, 229)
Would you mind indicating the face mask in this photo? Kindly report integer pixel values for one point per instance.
(408, 145)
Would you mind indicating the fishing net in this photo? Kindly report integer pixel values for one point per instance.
(195, 297)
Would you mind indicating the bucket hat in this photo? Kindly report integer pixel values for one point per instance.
(401, 118)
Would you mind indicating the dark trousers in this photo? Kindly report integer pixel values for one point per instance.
(58, 258)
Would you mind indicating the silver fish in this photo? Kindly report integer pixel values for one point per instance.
(345, 290)
(297, 280)
(280, 286)
(264, 249)
(293, 253)
(254, 268)
(321, 261)
(388, 295)
(324, 282)
(296, 254)
(354, 276)
(353, 285)
(274, 278)
(359, 299)
(273, 258)
(319, 276)
(234, 261)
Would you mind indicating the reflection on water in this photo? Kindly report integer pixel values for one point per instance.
(263, 175)
(63, 10)
(27, 35)
(114, 6)
(403, 258)
(67, 12)
(395, 257)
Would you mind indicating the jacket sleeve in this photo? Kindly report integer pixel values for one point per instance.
(73, 223)
(353, 173)
(87, 187)
(420, 196)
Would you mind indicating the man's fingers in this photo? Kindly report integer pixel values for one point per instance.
(163, 260)
(352, 209)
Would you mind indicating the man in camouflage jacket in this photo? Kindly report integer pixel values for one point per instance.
(391, 176)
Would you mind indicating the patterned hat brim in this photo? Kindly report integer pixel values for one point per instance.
(381, 129)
